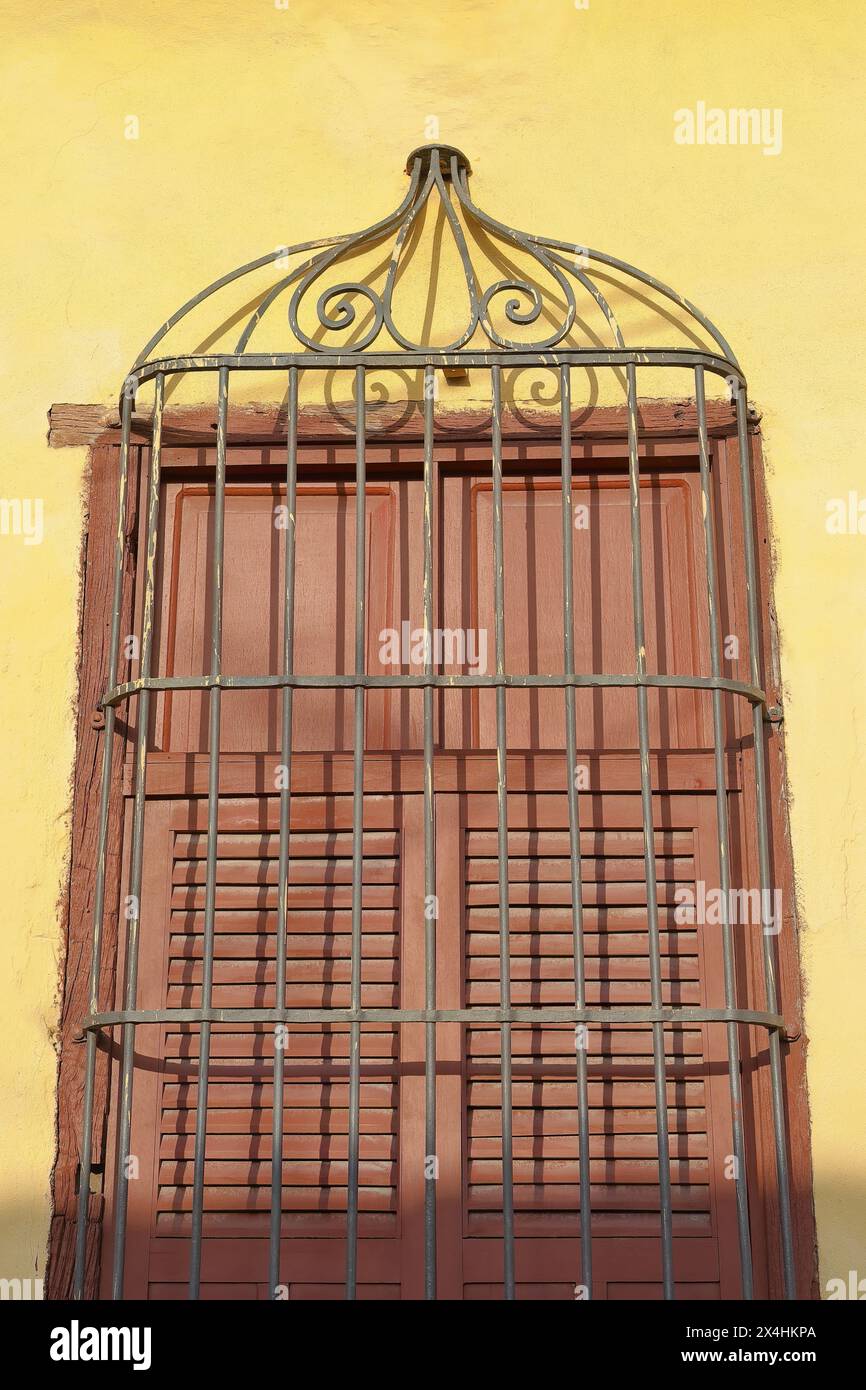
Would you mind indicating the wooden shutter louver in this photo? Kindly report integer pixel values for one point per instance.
(240, 1093)
(623, 1145)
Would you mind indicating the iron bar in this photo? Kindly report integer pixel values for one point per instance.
(277, 254)
(649, 844)
(615, 264)
(404, 360)
(581, 1042)
(767, 927)
(133, 900)
(214, 711)
(443, 682)
(86, 1163)
(357, 834)
(734, 1078)
(502, 842)
(285, 825)
(678, 1017)
(431, 906)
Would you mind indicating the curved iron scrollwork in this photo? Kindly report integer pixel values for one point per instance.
(538, 290)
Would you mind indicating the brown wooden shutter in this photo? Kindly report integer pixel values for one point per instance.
(624, 1174)
(237, 1169)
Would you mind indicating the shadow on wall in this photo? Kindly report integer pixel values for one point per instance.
(626, 1246)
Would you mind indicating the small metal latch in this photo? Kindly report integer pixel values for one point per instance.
(774, 714)
(97, 720)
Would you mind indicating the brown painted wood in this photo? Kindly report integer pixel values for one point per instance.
(787, 954)
(621, 1088)
(623, 1178)
(676, 619)
(97, 568)
(74, 425)
(240, 1092)
(244, 774)
(682, 775)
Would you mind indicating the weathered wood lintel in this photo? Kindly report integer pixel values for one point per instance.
(76, 425)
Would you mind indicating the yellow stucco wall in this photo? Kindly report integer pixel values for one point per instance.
(262, 124)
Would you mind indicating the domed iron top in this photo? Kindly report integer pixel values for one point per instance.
(425, 154)
(540, 289)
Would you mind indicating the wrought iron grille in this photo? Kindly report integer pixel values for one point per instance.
(535, 331)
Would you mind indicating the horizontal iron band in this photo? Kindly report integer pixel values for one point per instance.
(753, 693)
(680, 1018)
(506, 357)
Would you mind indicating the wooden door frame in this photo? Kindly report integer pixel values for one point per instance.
(326, 435)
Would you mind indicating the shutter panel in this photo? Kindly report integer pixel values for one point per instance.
(624, 1185)
(240, 1092)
